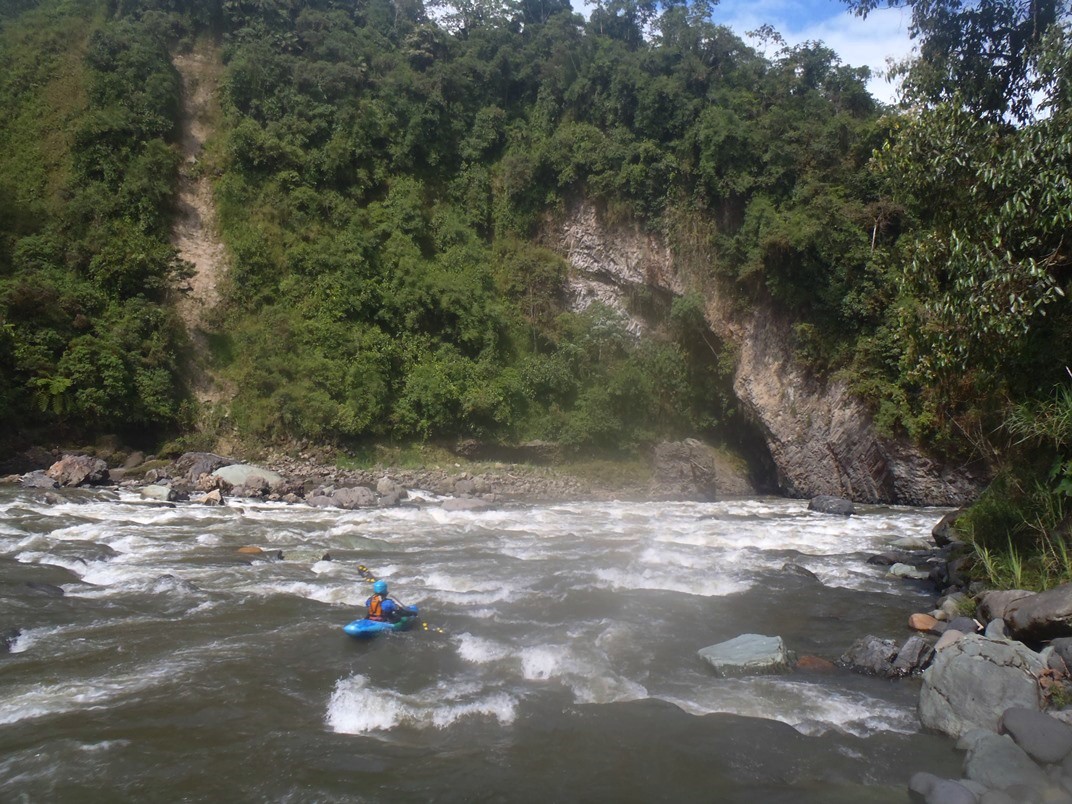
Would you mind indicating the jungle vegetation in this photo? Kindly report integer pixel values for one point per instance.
(384, 170)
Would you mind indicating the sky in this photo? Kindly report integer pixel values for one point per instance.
(859, 42)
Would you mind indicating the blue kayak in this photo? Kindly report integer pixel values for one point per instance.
(370, 628)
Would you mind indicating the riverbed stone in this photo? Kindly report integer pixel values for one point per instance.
(993, 604)
(996, 629)
(748, 654)
(1044, 738)
(244, 475)
(996, 761)
(38, 479)
(945, 531)
(1042, 616)
(973, 681)
(966, 625)
(908, 571)
(947, 639)
(826, 504)
(871, 655)
(79, 470)
(922, 622)
(913, 656)
(356, 497)
(158, 492)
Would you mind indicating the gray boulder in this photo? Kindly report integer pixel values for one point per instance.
(748, 654)
(944, 532)
(195, 464)
(997, 762)
(243, 475)
(926, 788)
(974, 680)
(38, 480)
(158, 492)
(825, 504)
(993, 605)
(870, 655)
(356, 497)
(1043, 738)
(913, 656)
(79, 470)
(1046, 615)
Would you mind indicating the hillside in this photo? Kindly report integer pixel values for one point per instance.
(377, 199)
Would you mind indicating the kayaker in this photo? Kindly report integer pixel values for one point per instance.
(382, 608)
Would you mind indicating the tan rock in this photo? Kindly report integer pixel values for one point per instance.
(922, 622)
(251, 550)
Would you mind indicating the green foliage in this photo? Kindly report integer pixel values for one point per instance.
(86, 260)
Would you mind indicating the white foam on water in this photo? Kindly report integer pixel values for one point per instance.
(809, 708)
(356, 707)
(31, 701)
(707, 584)
(541, 662)
(481, 650)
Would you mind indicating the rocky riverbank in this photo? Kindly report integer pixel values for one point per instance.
(678, 470)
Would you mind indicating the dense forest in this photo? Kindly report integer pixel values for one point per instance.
(384, 169)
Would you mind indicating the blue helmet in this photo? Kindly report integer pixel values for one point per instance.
(380, 587)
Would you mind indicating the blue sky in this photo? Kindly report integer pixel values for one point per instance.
(870, 42)
(859, 42)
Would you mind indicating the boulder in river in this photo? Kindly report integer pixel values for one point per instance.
(974, 680)
(748, 654)
(79, 470)
(826, 504)
(244, 475)
(38, 479)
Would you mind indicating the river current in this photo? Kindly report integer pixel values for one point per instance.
(559, 664)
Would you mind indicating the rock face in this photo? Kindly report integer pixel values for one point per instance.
(821, 438)
(692, 470)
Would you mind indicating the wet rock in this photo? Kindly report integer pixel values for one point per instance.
(1042, 737)
(8, 637)
(910, 572)
(465, 504)
(887, 559)
(910, 543)
(46, 589)
(922, 622)
(792, 568)
(974, 680)
(79, 470)
(159, 493)
(914, 655)
(213, 497)
(814, 664)
(242, 475)
(826, 504)
(351, 498)
(944, 533)
(870, 655)
(386, 487)
(251, 550)
(38, 480)
(748, 654)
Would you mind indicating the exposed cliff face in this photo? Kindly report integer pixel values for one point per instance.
(822, 439)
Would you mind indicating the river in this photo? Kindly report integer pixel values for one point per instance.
(560, 663)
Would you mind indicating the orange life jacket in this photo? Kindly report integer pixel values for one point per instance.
(375, 608)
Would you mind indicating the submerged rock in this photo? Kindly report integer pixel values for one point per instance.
(748, 654)
(825, 504)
